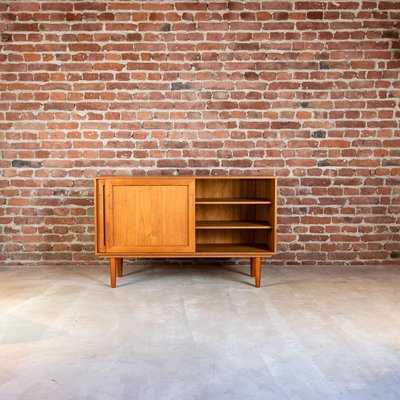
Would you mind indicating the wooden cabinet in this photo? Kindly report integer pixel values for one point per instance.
(185, 217)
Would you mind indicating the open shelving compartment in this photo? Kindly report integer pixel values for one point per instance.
(236, 215)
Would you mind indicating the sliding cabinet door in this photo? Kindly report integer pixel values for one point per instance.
(149, 215)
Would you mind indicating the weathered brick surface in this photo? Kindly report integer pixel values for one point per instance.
(305, 90)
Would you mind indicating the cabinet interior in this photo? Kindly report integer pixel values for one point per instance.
(235, 215)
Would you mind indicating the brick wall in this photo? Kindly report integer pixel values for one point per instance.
(308, 91)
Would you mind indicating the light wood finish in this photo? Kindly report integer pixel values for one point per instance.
(157, 217)
(252, 267)
(245, 214)
(235, 249)
(232, 225)
(222, 188)
(232, 212)
(113, 272)
(149, 215)
(232, 201)
(234, 252)
(120, 264)
(257, 271)
(100, 244)
(233, 236)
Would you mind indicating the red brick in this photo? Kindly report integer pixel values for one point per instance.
(85, 27)
(22, 27)
(56, 6)
(86, 47)
(108, 66)
(389, 5)
(84, 6)
(143, 66)
(277, 5)
(23, 6)
(310, 5)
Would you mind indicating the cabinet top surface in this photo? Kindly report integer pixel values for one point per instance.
(186, 177)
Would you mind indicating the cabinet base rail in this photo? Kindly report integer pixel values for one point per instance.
(117, 266)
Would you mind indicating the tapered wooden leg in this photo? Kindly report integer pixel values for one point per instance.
(120, 264)
(113, 272)
(257, 270)
(252, 273)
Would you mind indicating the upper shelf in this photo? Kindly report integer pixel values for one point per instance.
(232, 201)
(232, 225)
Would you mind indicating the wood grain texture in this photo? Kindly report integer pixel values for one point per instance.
(232, 249)
(232, 225)
(99, 223)
(237, 213)
(150, 215)
(252, 267)
(156, 216)
(232, 201)
(113, 272)
(231, 212)
(120, 265)
(257, 271)
(227, 251)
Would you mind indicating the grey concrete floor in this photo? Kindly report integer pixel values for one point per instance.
(187, 332)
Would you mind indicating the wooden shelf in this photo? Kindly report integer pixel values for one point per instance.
(232, 248)
(232, 225)
(232, 201)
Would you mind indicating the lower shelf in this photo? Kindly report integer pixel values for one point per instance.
(231, 248)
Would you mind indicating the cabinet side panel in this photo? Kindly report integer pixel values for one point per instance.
(99, 211)
(192, 215)
(272, 212)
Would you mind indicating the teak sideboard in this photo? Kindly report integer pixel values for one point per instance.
(150, 217)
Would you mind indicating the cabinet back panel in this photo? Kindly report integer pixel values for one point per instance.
(233, 188)
(229, 212)
(232, 236)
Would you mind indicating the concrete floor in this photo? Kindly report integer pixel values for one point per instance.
(182, 333)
